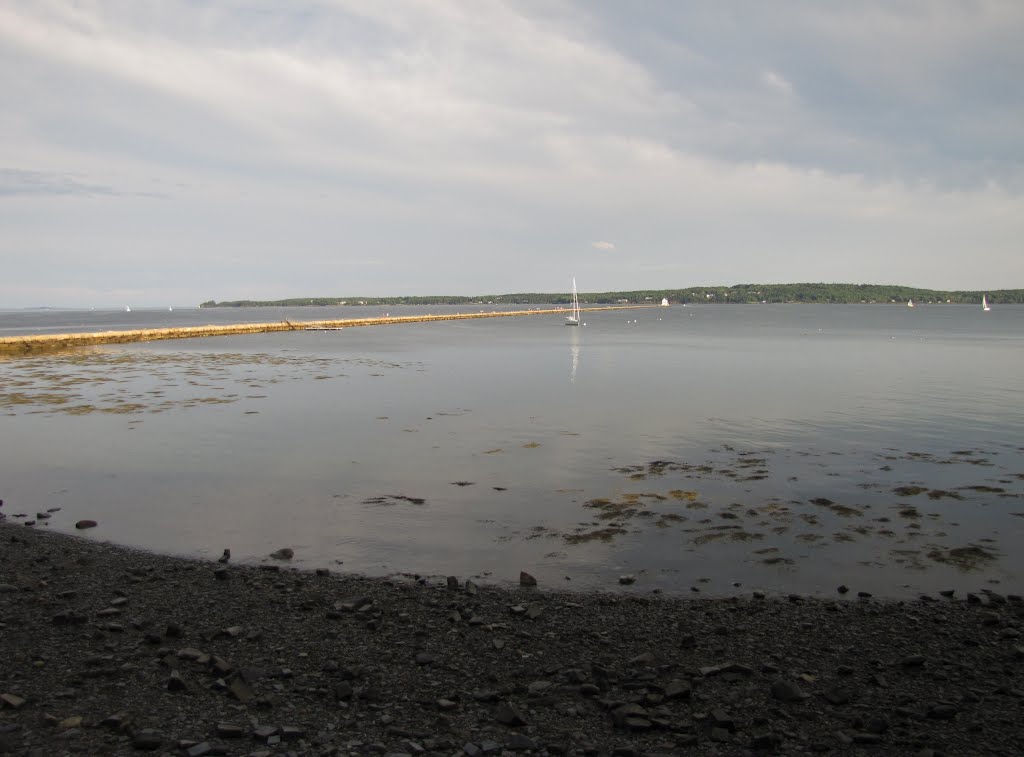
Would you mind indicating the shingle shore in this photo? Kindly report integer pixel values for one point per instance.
(109, 651)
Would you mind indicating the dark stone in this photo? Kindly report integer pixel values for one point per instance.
(787, 691)
(147, 740)
(264, 732)
(509, 714)
(525, 579)
(942, 712)
(230, 730)
(520, 742)
(84, 524)
(677, 689)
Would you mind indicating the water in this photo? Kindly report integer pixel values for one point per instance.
(787, 448)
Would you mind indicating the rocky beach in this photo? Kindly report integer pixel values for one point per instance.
(111, 651)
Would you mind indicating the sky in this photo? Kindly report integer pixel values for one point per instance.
(172, 152)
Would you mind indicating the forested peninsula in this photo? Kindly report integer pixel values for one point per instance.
(736, 294)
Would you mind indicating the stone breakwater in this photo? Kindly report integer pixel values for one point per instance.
(33, 343)
(112, 651)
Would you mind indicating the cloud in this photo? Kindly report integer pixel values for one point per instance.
(408, 146)
(15, 182)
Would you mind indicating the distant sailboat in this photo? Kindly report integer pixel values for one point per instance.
(574, 319)
(910, 303)
(127, 309)
(664, 302)
(984, 304)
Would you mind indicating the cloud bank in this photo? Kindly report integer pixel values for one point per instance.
(469, 148)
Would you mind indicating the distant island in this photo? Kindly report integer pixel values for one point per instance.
(736, 294)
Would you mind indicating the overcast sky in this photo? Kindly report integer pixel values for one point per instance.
(165, 153)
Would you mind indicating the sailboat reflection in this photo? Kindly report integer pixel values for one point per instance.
(574, 351)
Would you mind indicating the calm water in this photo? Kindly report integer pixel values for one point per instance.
(780, 447)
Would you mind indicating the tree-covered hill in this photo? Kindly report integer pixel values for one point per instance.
(736, 294)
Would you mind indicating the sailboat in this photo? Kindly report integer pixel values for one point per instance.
(984, 304)
(574, 319)
(664, 302)
(127, 309)
(910, 303)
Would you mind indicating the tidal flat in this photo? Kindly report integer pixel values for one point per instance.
(648, 448)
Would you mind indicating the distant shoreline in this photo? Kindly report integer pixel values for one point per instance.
(836, 294)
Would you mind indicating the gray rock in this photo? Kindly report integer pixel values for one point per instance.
(230, 730)
(84, 524)
(285, 553)
(677, 689)
(351, 604)
(534, 610)
(8, 588)
(627, 580)
(176, 683)
(12, 701)
(787, 691)
(453, 583)
(241, 690)
(525, 579)
(867, 738)
(942, 712)
(509, 714)
(913, 661)
(264, 732)
(520, 742)
(836, 696)
(147, 740)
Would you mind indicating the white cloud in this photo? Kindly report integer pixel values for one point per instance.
(602, 245)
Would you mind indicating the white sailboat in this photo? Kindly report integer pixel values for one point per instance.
(984, 304)
(127, 309)
(664, 302)
(574, 319)
(910, 303)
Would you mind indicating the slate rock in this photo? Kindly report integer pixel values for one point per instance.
(942, 712)
(677, 689)
(509, 714)
(285, 553)
(520, 742)
(147, 740)
(12, 701)
(525, 579)
(84, 524)
(787, 691)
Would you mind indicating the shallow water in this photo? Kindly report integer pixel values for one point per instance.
(780, 447)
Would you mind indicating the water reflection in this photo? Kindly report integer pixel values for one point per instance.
(574, 351)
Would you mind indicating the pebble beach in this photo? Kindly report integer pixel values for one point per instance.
(111, 651)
